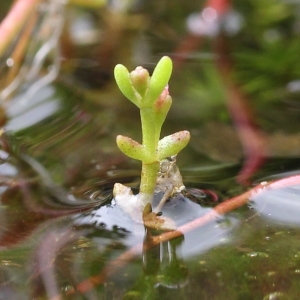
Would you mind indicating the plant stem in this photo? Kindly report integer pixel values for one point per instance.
(150, 166)
(148, 178)
(14, 21)
(150, 140)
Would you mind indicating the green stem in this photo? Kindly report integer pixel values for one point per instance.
(148, 178)
(150, 140)
(150, 165)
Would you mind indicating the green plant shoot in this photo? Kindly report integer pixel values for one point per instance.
(151, 95)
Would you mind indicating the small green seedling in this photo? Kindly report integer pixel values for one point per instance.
(151, 95)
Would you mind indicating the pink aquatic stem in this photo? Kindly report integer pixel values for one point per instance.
(14, 21)
(221, 209)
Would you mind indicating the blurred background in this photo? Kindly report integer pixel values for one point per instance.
(235, 87)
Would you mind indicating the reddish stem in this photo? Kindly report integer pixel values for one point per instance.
(14, 20)
(221, 209)
(251, 137)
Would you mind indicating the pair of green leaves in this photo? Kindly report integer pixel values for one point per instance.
(168, 146)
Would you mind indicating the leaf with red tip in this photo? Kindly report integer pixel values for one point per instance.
(159, 79)
(172, 144)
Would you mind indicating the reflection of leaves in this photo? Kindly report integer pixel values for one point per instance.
(242, 264)
(29, 197)
(12, 262)
(143, 289)
(174, 275)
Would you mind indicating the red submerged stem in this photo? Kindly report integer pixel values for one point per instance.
(221, 209)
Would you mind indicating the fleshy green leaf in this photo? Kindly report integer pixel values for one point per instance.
(159, 79)
(172, 144)
(130, 147)
(123, 81)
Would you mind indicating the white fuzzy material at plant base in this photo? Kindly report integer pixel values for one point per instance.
(169, 181)
(129, 203)
(134, 205)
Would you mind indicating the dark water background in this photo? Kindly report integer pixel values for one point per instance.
(59, 225)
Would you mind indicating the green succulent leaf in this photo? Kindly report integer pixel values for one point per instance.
(159, 79)
(172, 144)
(130, 147)
(123, 81)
